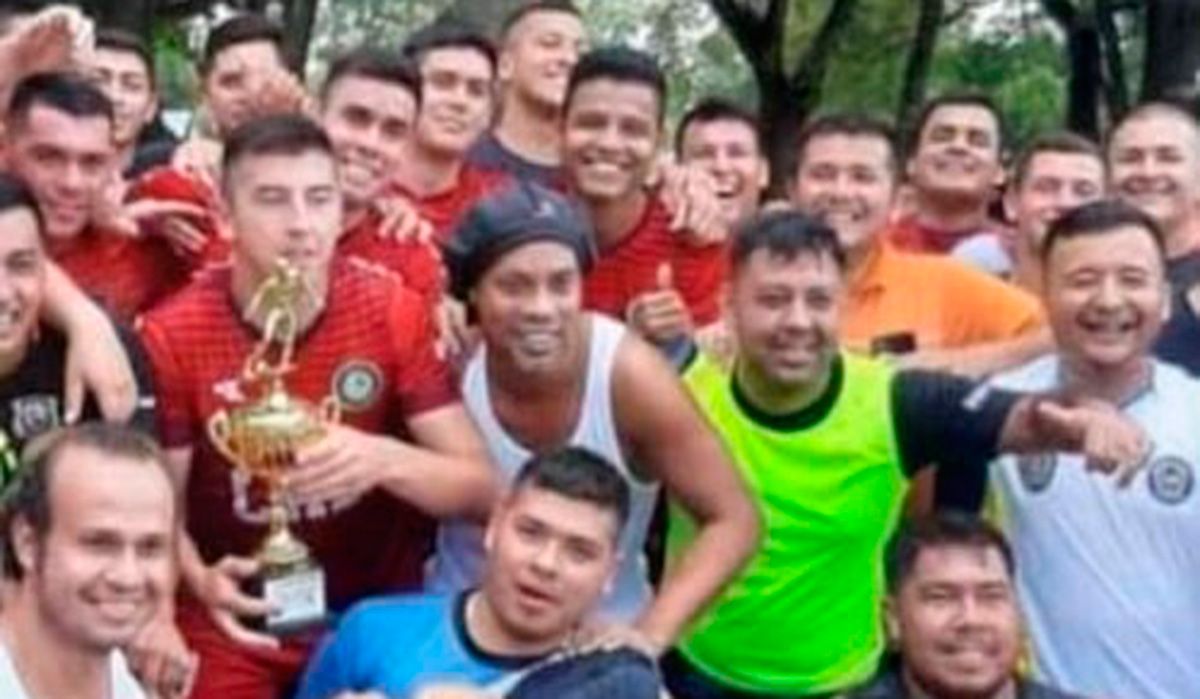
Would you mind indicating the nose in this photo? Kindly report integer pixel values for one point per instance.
(797, 316)
(541, 303)
(545, 560)
(124, 572)
(1108, 293)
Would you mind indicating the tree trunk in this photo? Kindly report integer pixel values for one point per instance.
(1172, 51)
(1116, 90)
(298, 18)
(920, 59)
(1085, 80)
(135, 16)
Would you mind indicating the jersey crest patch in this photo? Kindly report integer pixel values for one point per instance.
(357, 385)
(1171, 479)
(32, 415)
(1037, 471)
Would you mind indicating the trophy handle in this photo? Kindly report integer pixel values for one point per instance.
(219, 433)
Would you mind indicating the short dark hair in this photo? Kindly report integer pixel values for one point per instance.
(956, 99)
(127, 42)
(851, 125)
(63, 92)
(1053, 142)
(15, 194)
(946, 529)
(1149, 109)
(280, 134)
(376, 64)
(533, 7)
(28, 498)
(787, 233)
(449, 33)
(710, 109)
(1097, 218)
(619, 64)
(240, 29)
(576, 473)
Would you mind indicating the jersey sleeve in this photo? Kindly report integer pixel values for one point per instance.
(948, 421)
(423, 381)
(175, 423)
(699, 272)
(330, 670)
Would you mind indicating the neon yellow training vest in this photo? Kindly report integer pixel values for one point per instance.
(804, 616)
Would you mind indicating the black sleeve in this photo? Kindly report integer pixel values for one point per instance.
(953, 423)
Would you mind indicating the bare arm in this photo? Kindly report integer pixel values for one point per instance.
(670, 438)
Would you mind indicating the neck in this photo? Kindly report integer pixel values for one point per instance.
(1184, 240)
(487, 630)
(954, 215)
(49, 666)
(424, 172)
(1114, 385)
(616, 218)
(11, 361)
(531, 131)
(774, 398)
(245, 284)
(915, 691)
(125, 155)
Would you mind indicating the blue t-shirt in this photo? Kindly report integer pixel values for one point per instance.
(398, 645)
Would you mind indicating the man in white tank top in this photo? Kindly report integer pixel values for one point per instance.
(549, 375)
(88, 560)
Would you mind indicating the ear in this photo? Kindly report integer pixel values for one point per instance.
(1009, 201)
(24, 544)
(763, 177)
(891, 621)
(505, 67)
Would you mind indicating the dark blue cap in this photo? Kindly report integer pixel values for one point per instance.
(617, 674)
(514, 216)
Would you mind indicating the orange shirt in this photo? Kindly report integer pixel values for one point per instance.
(930, 302)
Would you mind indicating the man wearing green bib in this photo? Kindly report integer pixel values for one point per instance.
(827, 442)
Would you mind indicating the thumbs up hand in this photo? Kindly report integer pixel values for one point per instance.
(660, 315)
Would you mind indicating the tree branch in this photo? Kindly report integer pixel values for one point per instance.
(920, 58)
(812, 64)
(1116, 91)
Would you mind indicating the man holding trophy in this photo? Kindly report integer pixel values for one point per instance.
(313, 433)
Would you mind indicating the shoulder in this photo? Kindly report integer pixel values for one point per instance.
(202, 299)
(1035, 375)
(1174, 382)
(410, 614)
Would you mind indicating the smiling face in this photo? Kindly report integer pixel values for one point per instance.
(956, 621)
(785, 315)
(1106, 297)
(22, 281)
(958, 153)
(847, 180)
(611, 132)
(1154, 164)
(549, 560)
(528, 303)
(125, 79)
(1053, 183)
(235, 79)
(728, 150)
(539, 53)
(104, 567)
(457, 99)
(369, 122)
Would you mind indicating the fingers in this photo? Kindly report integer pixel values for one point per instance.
(154, 208)
(664, 277)
(660, 315)
(238, 632)
(73, 393)
(184, 235)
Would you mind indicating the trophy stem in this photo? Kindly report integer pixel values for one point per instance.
(282, 549)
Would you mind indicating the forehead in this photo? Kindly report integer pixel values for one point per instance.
(614, 97)
(959, 564)
(1126, 246)
(310, 168)
(465, 61)
(720, 130)
(1155, 129)
(542, 256)
(962, 116)
(848, 148)
(1050, 163)
(766, 267)
(117, 60)
(133, 495)
(258, 54)
(46, 123)
(378, 95)
(18, 230)
(568, 517)
(541, 22)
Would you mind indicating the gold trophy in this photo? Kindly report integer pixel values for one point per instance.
(261, 439)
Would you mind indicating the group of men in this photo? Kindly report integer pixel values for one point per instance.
(558, 357)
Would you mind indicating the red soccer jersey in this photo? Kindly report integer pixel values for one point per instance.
(630, 268)
(418, 263)
(443, 210)
(125, 275)
(372, 347)
(171, 184)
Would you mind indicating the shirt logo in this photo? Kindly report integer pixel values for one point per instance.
(32, 415)
(357, 384)
(1171, 480)
(1036, 471)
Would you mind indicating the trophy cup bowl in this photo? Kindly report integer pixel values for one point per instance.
(261, 439)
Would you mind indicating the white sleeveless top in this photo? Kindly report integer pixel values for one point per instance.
(458, 560)
(121, 681)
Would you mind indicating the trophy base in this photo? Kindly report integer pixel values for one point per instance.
(298, 596)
